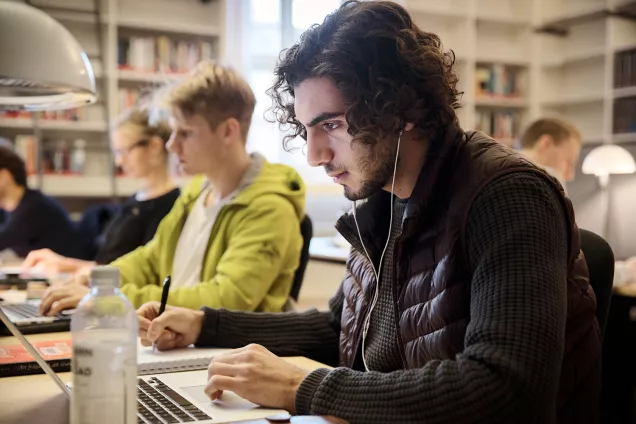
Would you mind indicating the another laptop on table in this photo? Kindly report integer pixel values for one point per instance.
(26, 314)
(169, 398)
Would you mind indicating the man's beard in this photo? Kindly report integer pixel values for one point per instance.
(376, 166)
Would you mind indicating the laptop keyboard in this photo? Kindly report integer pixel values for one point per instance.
(158, 403)
(23, 310)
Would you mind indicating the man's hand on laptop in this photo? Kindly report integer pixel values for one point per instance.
(175, 328)
(255, 374)
(59, 297)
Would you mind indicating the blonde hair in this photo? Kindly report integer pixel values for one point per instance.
(216, 93)
(142, 119)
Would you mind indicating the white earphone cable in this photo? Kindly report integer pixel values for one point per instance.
(377, 273)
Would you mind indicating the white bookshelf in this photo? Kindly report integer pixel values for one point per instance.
(576, 79)
(484, 34)
(98, 33)
(563, 48)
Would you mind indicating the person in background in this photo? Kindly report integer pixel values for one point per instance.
(466, 297)
(555, 145)
(233, 238)
(32, 220)
(139, 147)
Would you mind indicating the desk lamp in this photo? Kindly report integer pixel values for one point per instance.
(604, 161)
(42, 66)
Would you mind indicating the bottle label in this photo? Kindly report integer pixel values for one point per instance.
(104, 380)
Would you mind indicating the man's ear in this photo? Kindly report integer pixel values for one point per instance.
(544, 142)
(230, 129)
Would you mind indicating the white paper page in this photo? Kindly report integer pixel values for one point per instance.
(190, 358)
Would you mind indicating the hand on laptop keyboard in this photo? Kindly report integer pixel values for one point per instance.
(62, 296)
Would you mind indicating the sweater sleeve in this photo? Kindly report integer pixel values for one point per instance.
(509, 369)
(312, 334)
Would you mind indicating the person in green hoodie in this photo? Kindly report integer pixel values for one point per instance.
(232, 239)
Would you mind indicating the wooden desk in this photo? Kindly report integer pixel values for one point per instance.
(36, 399)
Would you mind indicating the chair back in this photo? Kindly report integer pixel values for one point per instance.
(600, 264)
(307, 231)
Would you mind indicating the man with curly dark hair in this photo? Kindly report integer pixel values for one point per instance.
(466, 297)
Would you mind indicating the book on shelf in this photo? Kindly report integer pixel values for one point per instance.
(624, 115)
(498, 80)
(68, 115)
(162, 54)
(26, 145)
(625, 69)
(500, 125)
(15, 360)
(126, 98)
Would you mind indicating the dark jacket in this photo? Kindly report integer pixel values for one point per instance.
(433, 273)
(40, 222)
(134, 224)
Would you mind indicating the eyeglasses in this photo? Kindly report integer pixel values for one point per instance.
(127, 150)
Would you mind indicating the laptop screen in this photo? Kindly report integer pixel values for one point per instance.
(34, 353)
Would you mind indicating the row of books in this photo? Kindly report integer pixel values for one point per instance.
(498, 80)
(58, 156)
(625, 115)
(126, 98)
(51, 115)
(625, 69)
(501, 125)
(162, 54)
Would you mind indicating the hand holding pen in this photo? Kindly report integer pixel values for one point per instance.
(164, 302)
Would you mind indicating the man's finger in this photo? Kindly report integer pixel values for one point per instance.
(166, 337)
(149, 310)
(51, 295)
(235, 356)
(68, 302)
(167, 343)
(220, 368)
(161, 323)
(143, 324)
(220, 382)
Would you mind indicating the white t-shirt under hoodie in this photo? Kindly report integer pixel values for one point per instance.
(193, 241)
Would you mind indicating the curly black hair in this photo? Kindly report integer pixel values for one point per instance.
(388, 70)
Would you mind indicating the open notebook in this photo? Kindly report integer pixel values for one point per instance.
(187, 359)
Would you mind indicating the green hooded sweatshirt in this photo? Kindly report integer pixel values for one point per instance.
(252, 254)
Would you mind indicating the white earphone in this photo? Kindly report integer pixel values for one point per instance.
(377, 272)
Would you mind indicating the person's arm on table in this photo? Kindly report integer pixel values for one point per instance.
(311, 334)
(138, 265)
(247, 268)
(53, 262)
(513, 347)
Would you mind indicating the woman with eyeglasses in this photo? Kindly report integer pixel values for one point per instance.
(139, 148)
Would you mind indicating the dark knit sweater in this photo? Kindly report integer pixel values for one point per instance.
(516, 238)
(380, 350)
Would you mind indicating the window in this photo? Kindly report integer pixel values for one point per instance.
(268, 27)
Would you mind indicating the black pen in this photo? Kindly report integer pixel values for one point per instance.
(164, 300)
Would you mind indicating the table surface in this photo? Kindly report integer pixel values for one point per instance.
(36, 399)
(326, 248)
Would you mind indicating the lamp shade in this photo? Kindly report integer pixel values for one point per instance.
(608, 159)
(42, 66)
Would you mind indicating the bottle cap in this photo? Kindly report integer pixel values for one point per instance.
(104, 276)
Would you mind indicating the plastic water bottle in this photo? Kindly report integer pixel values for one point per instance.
(104, 366)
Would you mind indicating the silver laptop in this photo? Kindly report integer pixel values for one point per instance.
(26, 316)
(169, 398)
